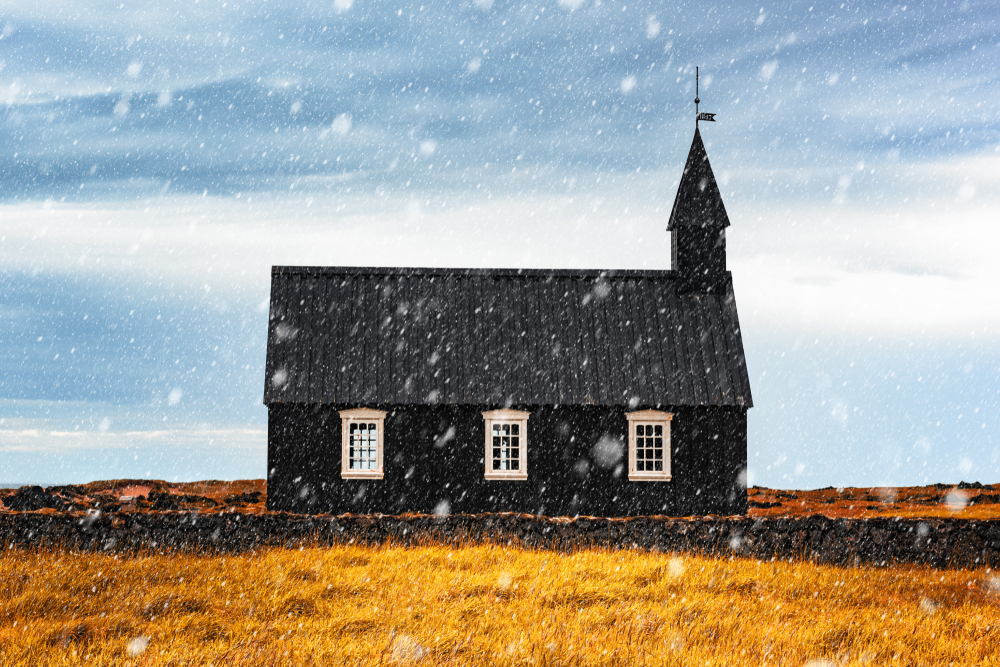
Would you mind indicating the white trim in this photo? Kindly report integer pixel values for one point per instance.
(656, 418)
(361, 415)
(506, 416)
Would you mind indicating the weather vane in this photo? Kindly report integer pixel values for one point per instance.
(699, 115)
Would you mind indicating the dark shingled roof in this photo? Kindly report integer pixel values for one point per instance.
(378, 336)
(698, 202)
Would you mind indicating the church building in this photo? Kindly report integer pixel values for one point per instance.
(555, 392)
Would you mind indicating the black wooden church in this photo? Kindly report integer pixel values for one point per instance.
(557, 392)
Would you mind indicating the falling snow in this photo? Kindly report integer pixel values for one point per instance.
(157, 165)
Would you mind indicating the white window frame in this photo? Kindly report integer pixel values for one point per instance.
(358, 415)
(519, 417)
(655, 418)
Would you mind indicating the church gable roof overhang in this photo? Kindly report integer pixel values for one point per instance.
(379, 336)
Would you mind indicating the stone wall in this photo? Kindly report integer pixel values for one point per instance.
(934, 542)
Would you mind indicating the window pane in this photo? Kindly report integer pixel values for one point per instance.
(658, 430)
(658, 443)
(362, 446)
(506, 446)
(639, 430)
(659, 466)
(640, 453)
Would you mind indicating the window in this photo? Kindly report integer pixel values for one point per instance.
(361, 443)
(506, 444)
(649, 446)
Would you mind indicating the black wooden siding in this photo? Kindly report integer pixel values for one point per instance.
(435, 453)
(373, 336)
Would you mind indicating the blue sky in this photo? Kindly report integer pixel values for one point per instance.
(157, 161)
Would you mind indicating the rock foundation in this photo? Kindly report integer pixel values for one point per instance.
(942, 543)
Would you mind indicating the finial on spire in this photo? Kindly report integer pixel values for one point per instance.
(696, 100)
(697, 114)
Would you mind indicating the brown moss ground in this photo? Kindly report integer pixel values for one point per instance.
(854, 502)
(937, 500)
(486, 605)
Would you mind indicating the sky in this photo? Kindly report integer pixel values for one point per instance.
(157, 159)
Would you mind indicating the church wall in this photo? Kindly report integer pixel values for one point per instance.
(435, 453)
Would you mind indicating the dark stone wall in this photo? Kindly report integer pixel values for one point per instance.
(434, 454)
(945, 543)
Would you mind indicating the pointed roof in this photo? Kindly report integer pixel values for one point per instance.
(698, 202)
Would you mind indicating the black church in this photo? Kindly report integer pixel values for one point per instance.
(556, 392)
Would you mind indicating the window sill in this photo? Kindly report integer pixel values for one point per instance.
(518, 477)
(639, 477)
(360, 474)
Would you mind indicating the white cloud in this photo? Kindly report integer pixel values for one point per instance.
(806, 263)
(69, 442)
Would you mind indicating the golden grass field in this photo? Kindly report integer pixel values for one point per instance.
(486, 605)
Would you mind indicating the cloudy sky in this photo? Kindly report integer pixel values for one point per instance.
(157, 158)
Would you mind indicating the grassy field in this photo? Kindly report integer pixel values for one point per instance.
(486, 605)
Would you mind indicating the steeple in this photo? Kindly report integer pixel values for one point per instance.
(698, 222)
(698, 202)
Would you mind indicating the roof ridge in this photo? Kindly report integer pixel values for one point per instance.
(471, 272)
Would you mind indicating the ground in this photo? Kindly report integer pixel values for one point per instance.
(964, 500)
(489, 604)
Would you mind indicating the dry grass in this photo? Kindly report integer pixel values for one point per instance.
(486, 605)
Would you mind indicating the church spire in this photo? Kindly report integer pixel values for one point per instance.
(698, 202)
(698, 220)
